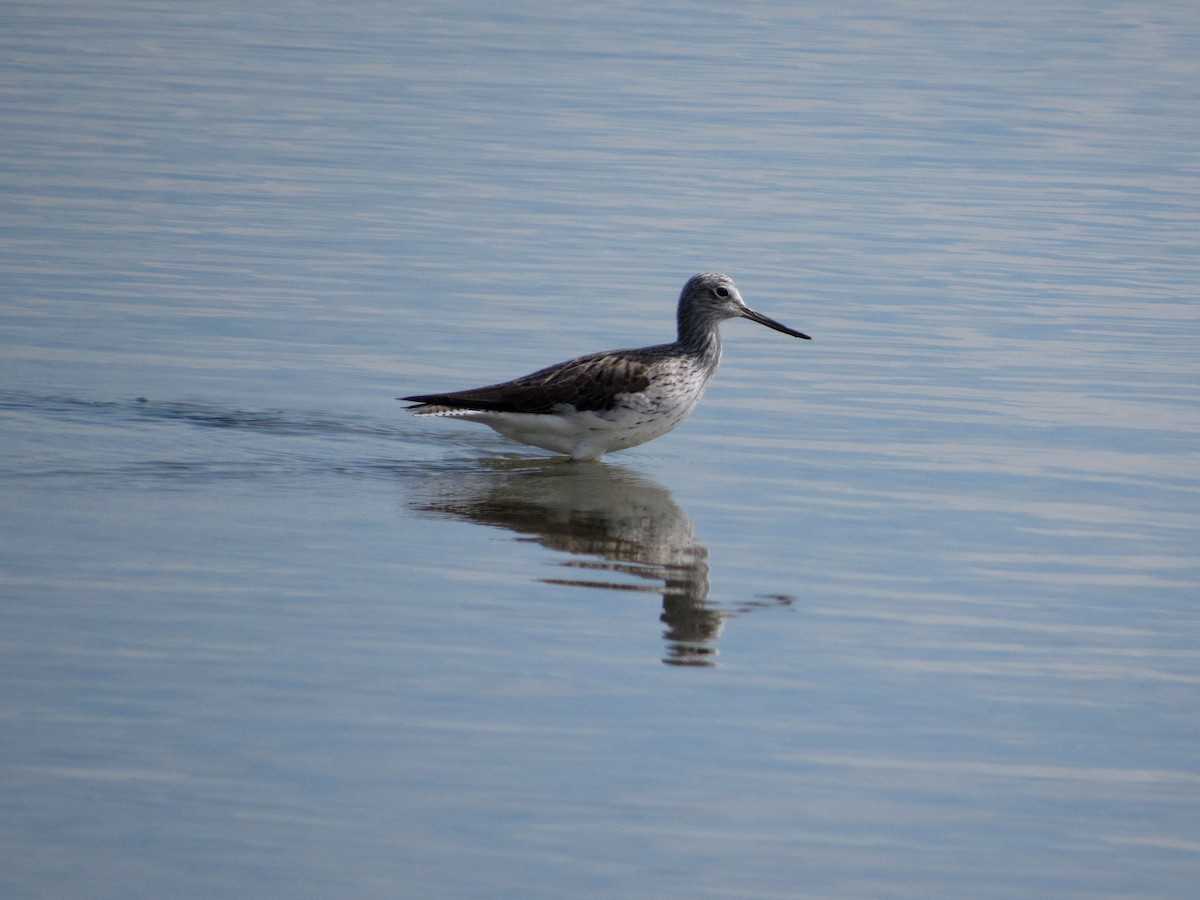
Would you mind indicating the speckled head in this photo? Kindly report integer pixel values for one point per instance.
(709, 299)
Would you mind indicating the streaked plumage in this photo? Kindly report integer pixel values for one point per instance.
(610, 401)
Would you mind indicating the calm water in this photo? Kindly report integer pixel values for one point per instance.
(912, 610)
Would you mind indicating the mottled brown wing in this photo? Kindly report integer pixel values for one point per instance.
(587, 383)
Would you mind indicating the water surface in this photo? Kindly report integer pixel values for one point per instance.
(906, 611)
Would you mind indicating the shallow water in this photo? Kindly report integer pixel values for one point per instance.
(909, 610)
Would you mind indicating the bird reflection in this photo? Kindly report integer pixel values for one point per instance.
(626, 523)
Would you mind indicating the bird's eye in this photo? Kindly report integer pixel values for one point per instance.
(722, 292)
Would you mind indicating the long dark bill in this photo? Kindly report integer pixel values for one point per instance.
(771, 323)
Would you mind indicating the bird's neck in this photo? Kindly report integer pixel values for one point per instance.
(701, 339)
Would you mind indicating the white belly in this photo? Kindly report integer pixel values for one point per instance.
(637, 418)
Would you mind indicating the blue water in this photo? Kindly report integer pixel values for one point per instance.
(910, 610)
